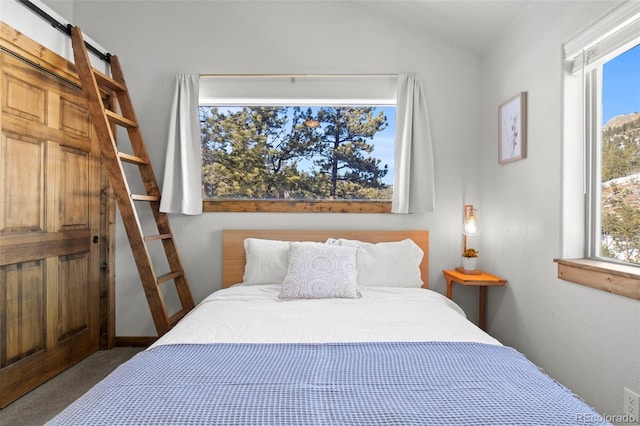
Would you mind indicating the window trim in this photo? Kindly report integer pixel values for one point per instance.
(301, 206)
(592, 88)
(623, 280)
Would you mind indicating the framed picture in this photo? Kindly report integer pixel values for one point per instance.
(512, 130)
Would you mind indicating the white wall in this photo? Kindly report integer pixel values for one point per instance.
(587, 339)
(156, 40)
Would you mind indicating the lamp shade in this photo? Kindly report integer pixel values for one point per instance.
(470, 222)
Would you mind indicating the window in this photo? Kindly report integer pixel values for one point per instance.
(602, 125)
(300, 153)
(322, 143)
(614, 178)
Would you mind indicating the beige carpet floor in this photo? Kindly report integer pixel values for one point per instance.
(43, 403)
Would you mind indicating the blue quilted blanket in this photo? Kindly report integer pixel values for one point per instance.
(432, 383)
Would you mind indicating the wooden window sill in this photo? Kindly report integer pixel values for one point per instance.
(287, 206)
(612, 277)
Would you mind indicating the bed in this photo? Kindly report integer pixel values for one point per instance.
(328, 328)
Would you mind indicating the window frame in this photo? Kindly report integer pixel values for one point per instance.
(381, 98)
(586, 54)
(593, 91)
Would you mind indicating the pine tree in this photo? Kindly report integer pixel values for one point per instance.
(258, 152)
(344, 153)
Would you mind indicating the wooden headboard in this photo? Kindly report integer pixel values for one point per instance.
(233, 259)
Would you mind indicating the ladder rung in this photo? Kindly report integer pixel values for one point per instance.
(158, 237)
(120, 120)
(173, 319)
(132, 159)
(138, 197)
(169, 276)
(104, 80)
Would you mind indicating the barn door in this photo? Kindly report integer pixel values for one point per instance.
(49, 228)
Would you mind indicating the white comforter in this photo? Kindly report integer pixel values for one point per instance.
(253, 314)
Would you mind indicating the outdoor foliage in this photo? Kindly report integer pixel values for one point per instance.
(620, 196)
(621, 149)
(269, 153)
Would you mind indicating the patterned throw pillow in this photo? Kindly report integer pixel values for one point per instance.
(320, 271)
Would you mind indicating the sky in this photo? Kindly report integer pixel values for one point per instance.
(384, 143)
(621, 85)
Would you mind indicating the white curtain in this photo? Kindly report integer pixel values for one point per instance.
(414, 184)
(181, 189)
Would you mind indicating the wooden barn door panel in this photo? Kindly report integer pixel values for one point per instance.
(23, 297)
(49, 212)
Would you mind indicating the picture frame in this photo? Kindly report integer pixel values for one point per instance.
(512, 129)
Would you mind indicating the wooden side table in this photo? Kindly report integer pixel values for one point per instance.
(482, 281)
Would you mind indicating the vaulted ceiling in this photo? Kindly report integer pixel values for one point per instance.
(471, 24)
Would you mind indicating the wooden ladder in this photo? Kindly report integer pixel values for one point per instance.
(104, 121)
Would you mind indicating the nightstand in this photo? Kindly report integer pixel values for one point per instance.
(481, 280)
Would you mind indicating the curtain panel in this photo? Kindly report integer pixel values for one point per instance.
(414, 182)
(181, 189)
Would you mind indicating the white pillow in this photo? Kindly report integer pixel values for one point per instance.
(392, 264)
(320, 271)
(266, 261)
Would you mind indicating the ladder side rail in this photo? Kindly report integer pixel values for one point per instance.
(120, 187)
